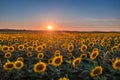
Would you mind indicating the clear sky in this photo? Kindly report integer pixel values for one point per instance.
(79, 15)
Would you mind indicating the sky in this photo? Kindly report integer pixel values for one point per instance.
(72, 15)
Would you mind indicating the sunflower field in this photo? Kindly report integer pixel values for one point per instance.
(59, 56)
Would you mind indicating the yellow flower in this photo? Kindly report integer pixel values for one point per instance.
(116, 64)
(70, 48)
(96, 71)
(5, 48)
(40, 55)
(7, 55)
(8, 66)
(114, 48)
(50, 61)
(11, 49)
(30, 48)
(56, 54)
(20, 47)
(40, 67)
(39, 48)
(95, 49)
(94, 54)
(69, 55)
(29, 54)
(91, 44)
(20, 59)
(83, 56)
(76, 61)
(57, 61)
(83, 48)
(63, 78)
(18, 64)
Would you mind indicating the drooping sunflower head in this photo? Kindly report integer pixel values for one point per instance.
(83, 48)
(76, 61)
(18, 65)
(40, 55)
(116, 64)
(94, 55)
(40, 67)
(57, 61)
(83, 56)
(7, 55)
(96, 71)
(8, 66)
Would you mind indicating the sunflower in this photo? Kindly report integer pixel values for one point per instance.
(56, 54)
(94, 54)
(39, 48)
(20, 59)
(63, 78)
(40, 55)
(39, 67)
(91, 44)
(29, 54)
(63, 46)
(114, 48)
(30, 48)
(76, 61)
(50, 61)
(70, 48)
(20, 47)
(116, 64)
(44, 46)
(95, 49)
(7, 55)
(96, 71)
(18, 64)
(5, 48)
(57, 61)
(69, 55)
(83, 56)
(11, 48)
(83, 48)
(8, 66)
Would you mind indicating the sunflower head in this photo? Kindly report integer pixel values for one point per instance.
(83, 48)
(5, 48)
(20, 59)
(40, 67)
(76, 61)
(7, 55)
(20, 47)
(69, 55)
(40, 55)
(94, 54)
(18, 64)
(116, 64)
(30, 48)
(29, 54)
(70, 47)
(57, 61)
(11, 49)
(8, 66)
(83, 56)
(96, 71)
(39, 48)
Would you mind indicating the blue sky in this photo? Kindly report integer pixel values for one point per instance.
(62, 14)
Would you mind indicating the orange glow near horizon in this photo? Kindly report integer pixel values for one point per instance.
(50, 27)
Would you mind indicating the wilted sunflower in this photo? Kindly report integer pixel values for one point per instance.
(70, 48)
(11, 49)
(29, 54)
(18, 64)
(30, 48)
(83, 56)
(96, 71)
(39, 48)
(94, 54)
(21, 47)
(20, 59)
(40, 67)
(57, 61)
(40, 55)
(76, 61)
(7, 55)
(116, 64)
(83, 48)
(8, 66)
(63, 78)
(5, 48)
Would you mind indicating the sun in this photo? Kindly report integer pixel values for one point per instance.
(50, 27)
